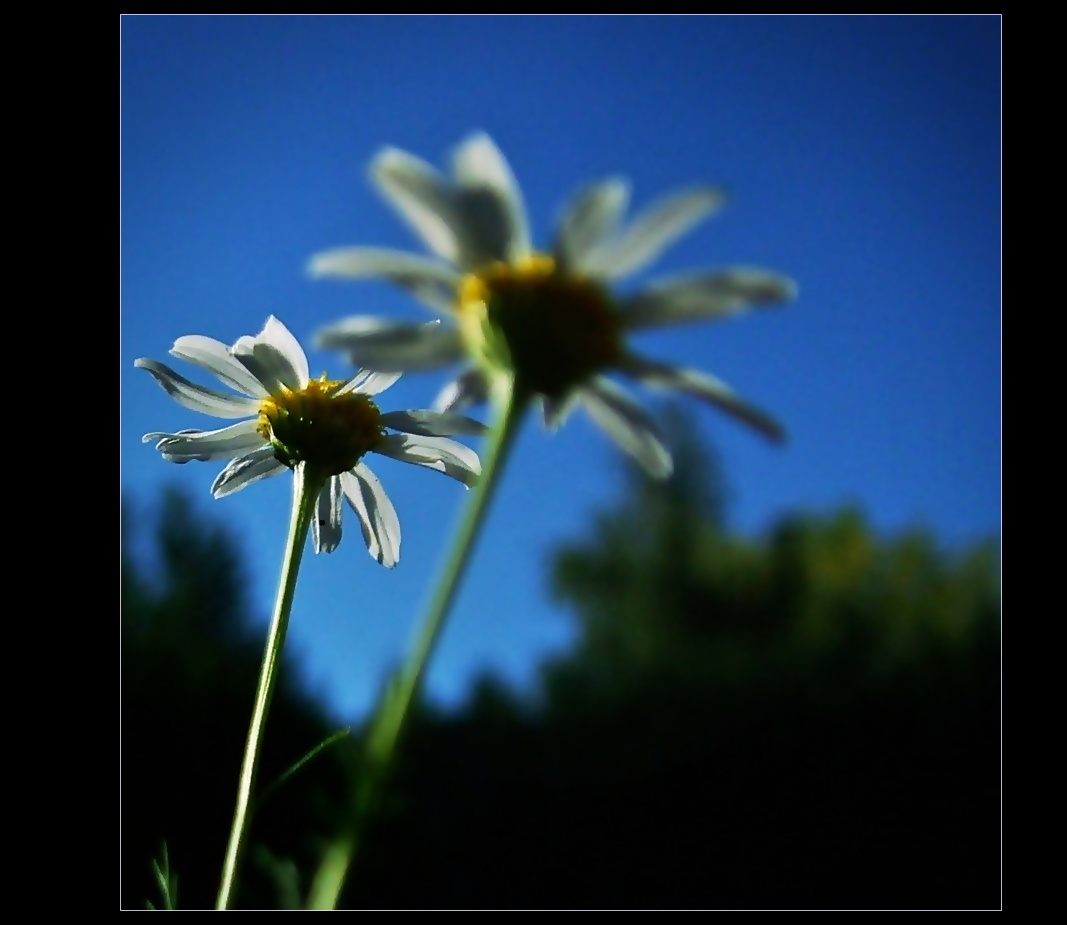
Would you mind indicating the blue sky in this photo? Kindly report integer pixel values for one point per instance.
(861, 156)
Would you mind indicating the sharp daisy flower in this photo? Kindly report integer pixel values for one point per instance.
(290, 418)
(548, 320)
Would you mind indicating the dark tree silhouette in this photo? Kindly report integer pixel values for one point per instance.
(190, 660)
(804, 720)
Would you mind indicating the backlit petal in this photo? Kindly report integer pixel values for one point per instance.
(214, 356)
(470, 388)
(494, 213)
(377, 516)
(274, 357)
(326, 524)
(369, 382)
(431, 281)
(706, 387)
(555, 411)
(627, 423)
(393, 346)
(196, 397)
(705, 296)
(257, 465)
(652, 232)
(422, 196)
(591, 218)
(433, 423)
(438, 453)
(225, 443)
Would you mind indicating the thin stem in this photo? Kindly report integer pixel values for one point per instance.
(306, 488)
(297, 765)
(393, 710)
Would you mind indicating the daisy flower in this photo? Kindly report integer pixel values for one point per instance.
(290, 418)
(549, 321)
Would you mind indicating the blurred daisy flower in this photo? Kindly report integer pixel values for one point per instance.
(290, 418)
(547, 320)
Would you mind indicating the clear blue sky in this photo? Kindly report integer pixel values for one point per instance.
(861, 155)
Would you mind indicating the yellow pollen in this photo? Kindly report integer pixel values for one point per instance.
(554, 331)
(314, 425)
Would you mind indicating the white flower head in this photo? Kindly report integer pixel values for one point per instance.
(549, 321)
(290, 418)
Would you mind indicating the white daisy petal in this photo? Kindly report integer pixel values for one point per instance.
(393, 346)
(433, 423)
(592, 216)
(627, 424)
(196, 397)
(438, 453)
(476, 220)
(556, 410)
(432, 282)
(215, 357)
(297, 426)
(705, 296)
(281, 339)
(377, 516)
(376, 382)
(420, 194)
(652, 232)
(488, 235)
(204, 445)
(274, 357)
(262, 362)
(369, 382)
(492, 204)
(706, 387)
(470, 388)
(326, 524)
(252, 467)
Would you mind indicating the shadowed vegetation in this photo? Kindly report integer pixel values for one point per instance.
(805, 719)
(190, 658)
(808, 719)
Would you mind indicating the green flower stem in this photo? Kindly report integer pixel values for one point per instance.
(306, 488)
(388, 722)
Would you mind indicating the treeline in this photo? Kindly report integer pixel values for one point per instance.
(190, 661)
(809, 719)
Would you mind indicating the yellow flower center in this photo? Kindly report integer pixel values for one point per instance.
(313, 425)
(552, 330)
